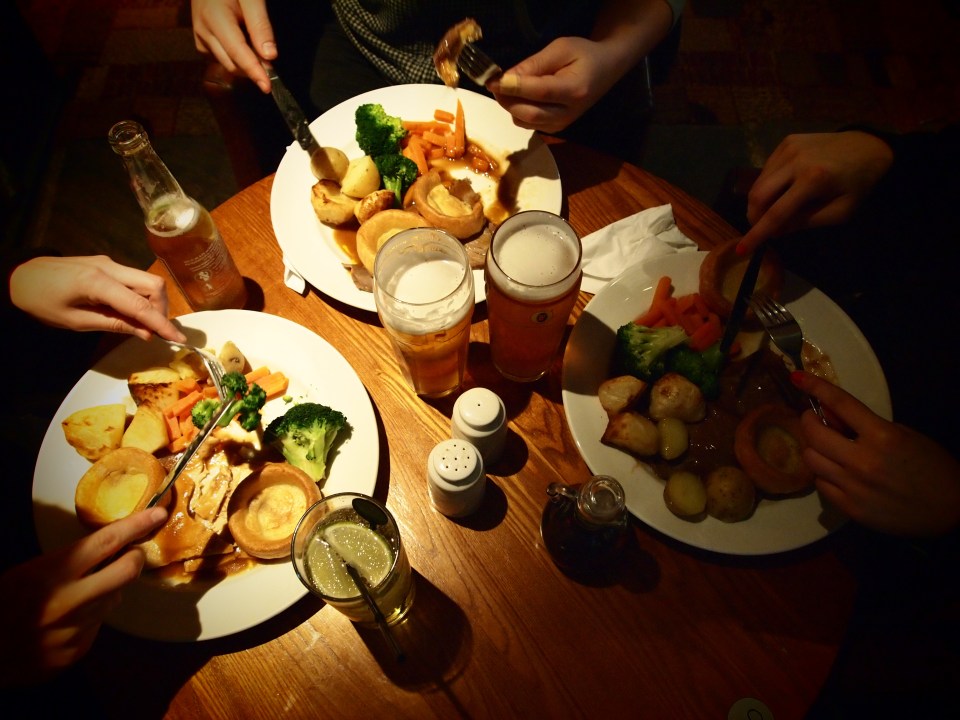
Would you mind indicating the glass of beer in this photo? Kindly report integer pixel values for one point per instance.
(532, 277)
(423, 289)
(330, 535)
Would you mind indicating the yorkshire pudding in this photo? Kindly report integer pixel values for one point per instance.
(768, 445)
(266, 506)
(117, 485)
(381, 227)
(460, 213)
(722, 270)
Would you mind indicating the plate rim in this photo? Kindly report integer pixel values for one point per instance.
(294, 163)
(284, 587)
(798, 291)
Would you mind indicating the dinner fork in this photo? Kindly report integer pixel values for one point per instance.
(210, 362)
(477, 65)
(786, 334)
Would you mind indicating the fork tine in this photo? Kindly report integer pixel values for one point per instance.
(477, 65)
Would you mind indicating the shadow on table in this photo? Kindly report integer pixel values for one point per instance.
(436, 640)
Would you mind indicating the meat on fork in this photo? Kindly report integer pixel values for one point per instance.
(448, 50)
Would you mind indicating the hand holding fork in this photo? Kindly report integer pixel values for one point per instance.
(786, 333)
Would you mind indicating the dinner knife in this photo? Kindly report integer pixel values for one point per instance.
(320, 163)
(190, 452)
(747, 285)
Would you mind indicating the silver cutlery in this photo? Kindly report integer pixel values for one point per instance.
(786, 333)
(210, 362)
(477, 65)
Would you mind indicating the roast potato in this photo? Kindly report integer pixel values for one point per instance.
(370, 205)
(632, 432)
(620, 393)
(154, 386)
(676, 397)
(731, 495)
(685, 494)
(331, 205)
(674, 438)
(147, 430)
(361, 177)
(95, 431)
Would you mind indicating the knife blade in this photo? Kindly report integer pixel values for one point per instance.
(190, 452)
(744, 292)
(292, 112)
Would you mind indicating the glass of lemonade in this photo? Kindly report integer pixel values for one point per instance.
(329, 535)
(423, 289)
(532, 275)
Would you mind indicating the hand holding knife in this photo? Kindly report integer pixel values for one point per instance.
(326, 163)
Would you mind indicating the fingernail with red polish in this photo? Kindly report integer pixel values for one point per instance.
(796, 377)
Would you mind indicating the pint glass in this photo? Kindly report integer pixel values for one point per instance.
(423, 289)
(532, 276)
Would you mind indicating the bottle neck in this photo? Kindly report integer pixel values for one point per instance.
(150, 179)
(601, 501)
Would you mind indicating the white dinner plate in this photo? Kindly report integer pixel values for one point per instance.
(309, 246)
(317, 373)
(777, 525)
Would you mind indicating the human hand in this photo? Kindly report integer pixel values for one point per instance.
(552, 88)
(887, 477)
(93, 293)
(218, 30)
(813, 180)
(55, 603)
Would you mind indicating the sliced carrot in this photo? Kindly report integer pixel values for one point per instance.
(173, 427)
(436, 152)
(180, 444)
(255, 375)
(418, 127)
(662, 290)
(184, 404)
(650, 317)
(669, 310)
(274, 384)
(707, 334)
(443, 115)
(414, 151)
(435, 138)
(187, 385)
(459, 131)
(209, 391)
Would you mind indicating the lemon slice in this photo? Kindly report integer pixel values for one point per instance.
(362, 548)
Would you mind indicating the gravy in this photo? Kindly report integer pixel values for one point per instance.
(745, 384)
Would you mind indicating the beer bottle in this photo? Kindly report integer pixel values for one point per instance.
(584, 528)
(180, 230)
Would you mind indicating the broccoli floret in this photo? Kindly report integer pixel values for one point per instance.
(246, 402)
(203, 411)
(642, 351)
(377, 132)
(397, 173)
(235, 383)
(305, 434)
(249, 413)
(701, 368)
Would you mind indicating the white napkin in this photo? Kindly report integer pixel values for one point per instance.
(612, 249)
(292, 279)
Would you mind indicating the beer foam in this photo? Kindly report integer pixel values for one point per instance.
(532, 255)
(426, 281)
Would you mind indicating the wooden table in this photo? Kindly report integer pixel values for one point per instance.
(496, 629)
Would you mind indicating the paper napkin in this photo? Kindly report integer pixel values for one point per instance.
(292, 279)
(612, 249)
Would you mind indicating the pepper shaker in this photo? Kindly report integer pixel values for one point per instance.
(455, 477)
(480, 417)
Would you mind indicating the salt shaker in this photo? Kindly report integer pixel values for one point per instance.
(455, 477)
(480, 417)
